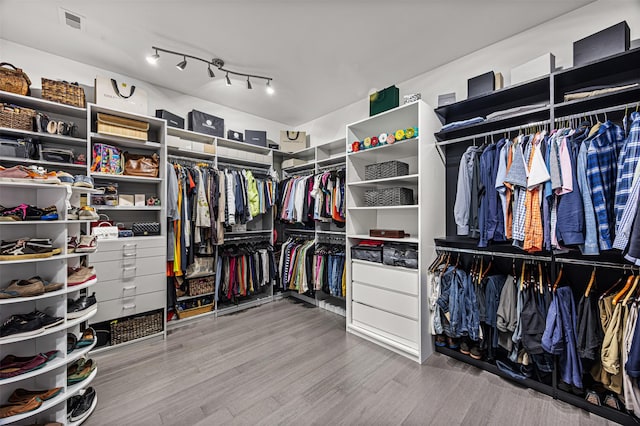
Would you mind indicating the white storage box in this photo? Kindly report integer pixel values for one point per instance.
(538, 67)
(292, 162)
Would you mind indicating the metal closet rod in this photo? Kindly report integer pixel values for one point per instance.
(541, 258)
(240, 167)
(493, 132)
(247, 237)
(598, 111)
(190, 159)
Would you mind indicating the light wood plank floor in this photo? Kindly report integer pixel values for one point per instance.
(286, 363)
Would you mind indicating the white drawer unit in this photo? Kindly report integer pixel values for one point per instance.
(119, 289)
(397, 303)
(129, 268)
(390, 326)
(113, 309)
(387, 277)
(105, 256)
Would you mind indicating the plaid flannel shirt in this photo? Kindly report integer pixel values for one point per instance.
(629, 156)
(602, 165)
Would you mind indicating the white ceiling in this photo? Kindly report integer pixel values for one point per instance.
(322, 55)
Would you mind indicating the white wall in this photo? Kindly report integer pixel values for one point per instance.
(37, 64)
(556, 36)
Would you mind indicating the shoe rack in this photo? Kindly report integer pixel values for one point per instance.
(53, 269)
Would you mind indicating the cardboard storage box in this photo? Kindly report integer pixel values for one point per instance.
(538, 67)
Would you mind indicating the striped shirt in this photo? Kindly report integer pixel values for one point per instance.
(602, 168)
(627, 164)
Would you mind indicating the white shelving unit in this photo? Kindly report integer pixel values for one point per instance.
(132, 269)
(327, 156)
(53, 269)
(386, 304)
(224, 153)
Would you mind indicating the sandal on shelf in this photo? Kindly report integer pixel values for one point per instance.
(592, 397)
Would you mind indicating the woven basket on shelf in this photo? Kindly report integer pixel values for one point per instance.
(13, 79)
(203, 285)
(63, 92)
(15, 117)
(386, 169)
(135, 328)
(388, 197)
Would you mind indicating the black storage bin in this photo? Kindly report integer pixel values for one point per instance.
(481, 85)
(368, 253)
(19, 148)
(172, 119)
(205, 123)
(403, 255)
(235, 136)
(612, 40)
(256, 137)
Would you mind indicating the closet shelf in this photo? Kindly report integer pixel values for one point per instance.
(242, 162)
(129, 208)
(61, 327)
(191, 135)
(259, 231)
(614, 100)
(411, 240)
(125, 178)
(43, 105)
(300, 167)
(404, 148)
(180, 299)
(62, 291)
(334, 159)
(45, 259)
(68, 140)
(243, 146)
(44, 222)
(392, 181)
(320, 231)
(53, 164)
(409, 207)
(172, 150)
(126, 142)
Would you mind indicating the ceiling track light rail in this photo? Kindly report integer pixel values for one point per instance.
(215, 62)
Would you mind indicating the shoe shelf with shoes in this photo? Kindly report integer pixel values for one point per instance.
(23, 403)
(80, 407)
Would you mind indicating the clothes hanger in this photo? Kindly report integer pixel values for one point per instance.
(558, 278)
(524, 265)
(620, 280)
(541, 286)
(624, 290)
(592, 279)
(632, 291)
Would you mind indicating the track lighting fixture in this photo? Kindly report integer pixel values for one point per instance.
(183, 64)
(215, 63)
(153, 59)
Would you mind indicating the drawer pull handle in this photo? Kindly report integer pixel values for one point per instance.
(130, 268)
(124, 247)
(128, 288)
(129, 255)
(130, 306)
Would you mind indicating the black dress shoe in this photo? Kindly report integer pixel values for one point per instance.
(85, 406)
(82, 306)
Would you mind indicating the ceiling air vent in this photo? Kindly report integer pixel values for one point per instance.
(71, 19)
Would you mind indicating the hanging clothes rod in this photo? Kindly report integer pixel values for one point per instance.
(330, 167)
(257, 237)
(580, 262)
(190, 159)
(293, 231)
(239, 167)
(493, 132)
(599, 111)
(495, 253)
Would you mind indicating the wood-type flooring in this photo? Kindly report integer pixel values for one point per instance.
(288, 363)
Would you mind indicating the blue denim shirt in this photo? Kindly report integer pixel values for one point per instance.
(590, 246)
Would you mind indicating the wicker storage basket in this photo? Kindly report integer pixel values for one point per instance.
(14, 80)
(388, 197)
(203, 285)
(135, 328)
(15, 117)
(63, 93)
(120, 126)
(386, 169)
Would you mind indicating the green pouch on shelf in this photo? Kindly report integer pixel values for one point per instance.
(384, 100)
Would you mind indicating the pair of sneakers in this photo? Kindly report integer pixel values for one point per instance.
(84, 244)
(27, 212)
(77, 180)
(82, 213)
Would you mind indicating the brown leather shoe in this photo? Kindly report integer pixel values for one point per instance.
(9, 410)
(21, 395)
